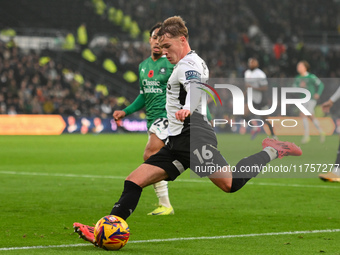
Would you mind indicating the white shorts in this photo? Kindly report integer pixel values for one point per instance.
(310, 105)
(160, 129)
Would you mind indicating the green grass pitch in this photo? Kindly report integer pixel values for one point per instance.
(49, 182)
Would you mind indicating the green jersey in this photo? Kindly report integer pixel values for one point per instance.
(153, 78)
(310, 82)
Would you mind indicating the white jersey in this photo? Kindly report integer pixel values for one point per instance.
(256, 78)
(183, 92)
(336, 95)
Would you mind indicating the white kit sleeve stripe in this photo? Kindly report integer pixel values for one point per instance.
(336, 95)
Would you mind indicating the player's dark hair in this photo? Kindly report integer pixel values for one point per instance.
(157, 25)
(174, 26)
(306, 64)
(252, 59)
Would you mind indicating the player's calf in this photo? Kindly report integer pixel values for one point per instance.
(251, 166)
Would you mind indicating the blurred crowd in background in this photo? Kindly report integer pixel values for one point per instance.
(224, 33)
(227, 33)
(28, 85)
(291, 19)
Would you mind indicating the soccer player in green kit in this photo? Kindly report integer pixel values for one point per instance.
(154, 73)
(315, 86)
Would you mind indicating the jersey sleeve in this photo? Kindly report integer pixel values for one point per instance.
(190, 77)
(336, 95)
(246, 74)
(136, 105)
(209, 117)
(258, 77)
(318, 84)
(263, 79)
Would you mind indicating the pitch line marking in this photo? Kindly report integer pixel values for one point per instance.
(179, 180)
(181, 239)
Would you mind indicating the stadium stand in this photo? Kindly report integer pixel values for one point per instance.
(30, 83)
(288, 19)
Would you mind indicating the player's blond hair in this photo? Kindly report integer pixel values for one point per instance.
(174, 27)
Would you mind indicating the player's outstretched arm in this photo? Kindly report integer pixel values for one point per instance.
(320, 87)
(136, 105)
(328, 104)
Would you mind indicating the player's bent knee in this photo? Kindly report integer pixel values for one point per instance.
(237, 184)
(223, 185)
(138, 181)
(136, 178)
(226, 188)
(132, 179)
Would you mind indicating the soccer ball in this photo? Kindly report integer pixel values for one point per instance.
(111, 232)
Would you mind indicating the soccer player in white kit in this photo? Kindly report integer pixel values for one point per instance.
(256, 79)
(334, 175)
(186, 118)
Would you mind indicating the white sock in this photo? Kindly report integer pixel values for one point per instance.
(317, 125)
(271, 152)
(306, 126)
(161, 189)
